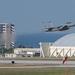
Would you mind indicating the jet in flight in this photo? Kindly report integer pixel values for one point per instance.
(59, 28)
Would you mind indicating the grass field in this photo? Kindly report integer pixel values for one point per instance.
(44, 71)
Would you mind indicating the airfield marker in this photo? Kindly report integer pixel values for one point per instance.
(65, 59)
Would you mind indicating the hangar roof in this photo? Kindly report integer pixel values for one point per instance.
(67, 40)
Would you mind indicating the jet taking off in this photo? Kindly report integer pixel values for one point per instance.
(59, 28)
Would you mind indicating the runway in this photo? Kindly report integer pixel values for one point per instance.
(38, 64)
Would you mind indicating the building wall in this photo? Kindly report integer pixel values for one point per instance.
(44, 46)
(10, 55)
(45, 49)
(6, 35)
(61, 51)
(25, 50)
(56, 51)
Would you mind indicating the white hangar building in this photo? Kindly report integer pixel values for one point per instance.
(60, 48)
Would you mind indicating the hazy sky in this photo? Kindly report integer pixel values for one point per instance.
(28, 15)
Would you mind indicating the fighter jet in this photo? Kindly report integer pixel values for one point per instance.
(59, 28)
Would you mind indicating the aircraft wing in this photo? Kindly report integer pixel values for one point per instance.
(51, 29)
(66, 26)
(71, 25)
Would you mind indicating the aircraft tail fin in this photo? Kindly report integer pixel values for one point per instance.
(48, 25)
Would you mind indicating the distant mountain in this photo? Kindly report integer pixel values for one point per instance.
(33, 40)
